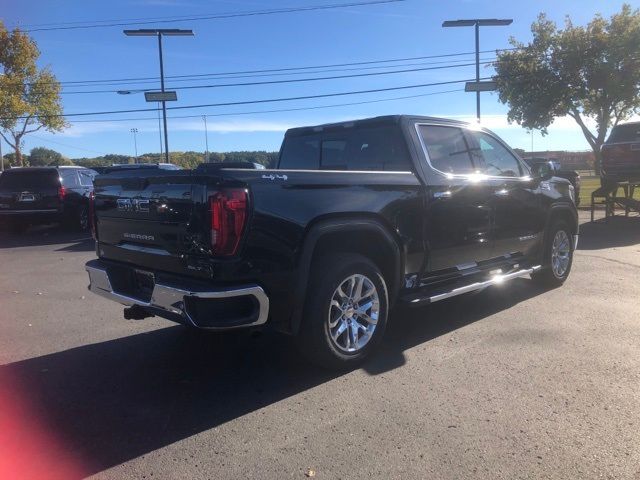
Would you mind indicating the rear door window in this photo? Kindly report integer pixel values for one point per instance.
(70, 178)
(448, 150)
(86, 177)
(376, 148)
(25, 180)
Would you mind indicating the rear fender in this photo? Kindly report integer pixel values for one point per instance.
(328, 227)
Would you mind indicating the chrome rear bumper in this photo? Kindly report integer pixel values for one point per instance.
(172, 299)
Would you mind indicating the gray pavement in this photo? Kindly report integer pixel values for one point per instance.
(512, 382)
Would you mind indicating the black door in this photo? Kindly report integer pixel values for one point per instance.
(74, 198)
(458, 216)
(518, 222)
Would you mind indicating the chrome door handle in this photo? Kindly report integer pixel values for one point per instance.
(445, 194)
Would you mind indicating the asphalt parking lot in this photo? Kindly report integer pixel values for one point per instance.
(512, 382)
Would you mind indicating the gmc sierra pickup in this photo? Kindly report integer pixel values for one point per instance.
(357, 216)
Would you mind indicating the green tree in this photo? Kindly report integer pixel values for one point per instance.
(41, 157)
(586, 73)
(29, 96)
(10, 160)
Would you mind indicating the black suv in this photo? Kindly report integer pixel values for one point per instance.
(36, 195)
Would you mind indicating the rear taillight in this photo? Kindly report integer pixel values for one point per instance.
(228, 218)
(62, 192)
(92, 215)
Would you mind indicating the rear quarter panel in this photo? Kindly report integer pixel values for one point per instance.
(288, 203)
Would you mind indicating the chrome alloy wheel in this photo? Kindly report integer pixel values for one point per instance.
(560, 253)
(83, 219)
(353, 314)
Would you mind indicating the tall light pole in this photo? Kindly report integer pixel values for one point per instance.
(135, 141)
(159, 131)
(477, 23)
(206, 139)
(160, 32)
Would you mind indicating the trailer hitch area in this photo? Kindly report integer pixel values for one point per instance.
(136, 312)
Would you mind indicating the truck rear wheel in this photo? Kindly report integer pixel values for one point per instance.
(345, 313)
(557, 256)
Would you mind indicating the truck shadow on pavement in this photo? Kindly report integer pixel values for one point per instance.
(110, 402)
(49, 235)
(617, 232)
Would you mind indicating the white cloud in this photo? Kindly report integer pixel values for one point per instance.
(81, 129)
(500, 122)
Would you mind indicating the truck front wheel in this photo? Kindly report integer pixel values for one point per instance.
(557, 256)
(345, 312)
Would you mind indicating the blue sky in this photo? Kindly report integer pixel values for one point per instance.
(355, 34)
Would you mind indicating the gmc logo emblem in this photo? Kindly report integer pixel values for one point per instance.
(133, 205)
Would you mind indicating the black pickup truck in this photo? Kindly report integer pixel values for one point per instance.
(358, 216)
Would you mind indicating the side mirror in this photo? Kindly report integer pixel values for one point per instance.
(542, 170)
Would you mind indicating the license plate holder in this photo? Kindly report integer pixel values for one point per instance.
(27, 197)
(144, 282)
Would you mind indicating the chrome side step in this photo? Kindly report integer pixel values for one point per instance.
(494, 280)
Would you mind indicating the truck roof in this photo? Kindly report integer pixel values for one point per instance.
(46, 168)
(372, 121)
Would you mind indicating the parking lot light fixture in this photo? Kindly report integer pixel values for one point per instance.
(477, 23)
(161, 32)
(135, 141)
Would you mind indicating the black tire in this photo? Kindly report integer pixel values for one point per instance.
(548, 275)
(316, 339)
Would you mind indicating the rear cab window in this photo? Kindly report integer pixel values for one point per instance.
(379, 148)
(625, 133)
(20, 179)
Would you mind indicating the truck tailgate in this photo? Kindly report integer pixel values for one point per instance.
(156, 217)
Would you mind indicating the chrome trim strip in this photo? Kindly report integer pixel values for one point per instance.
(18, 212)
(497, 279)
(143, 249)
(445, 194)
(464, 266)
(576, 237)
(171, 299)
